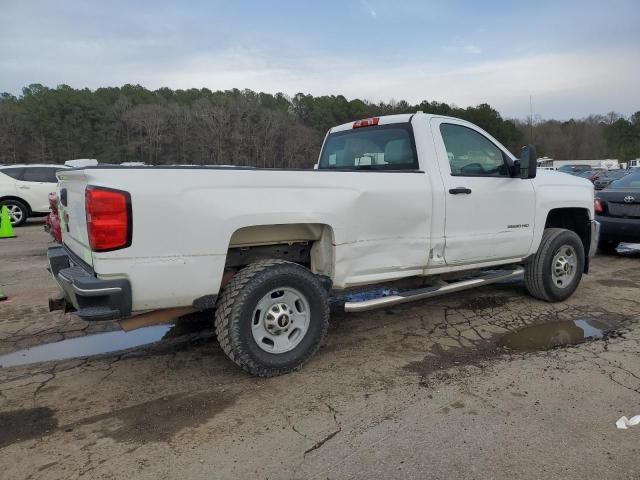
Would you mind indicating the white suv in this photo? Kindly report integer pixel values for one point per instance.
(24, 189)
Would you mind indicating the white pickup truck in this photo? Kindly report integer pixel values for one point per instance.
(432, 203)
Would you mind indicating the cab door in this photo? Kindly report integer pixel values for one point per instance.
(489, 215)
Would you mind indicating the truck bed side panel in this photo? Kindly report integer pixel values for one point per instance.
(183, 220)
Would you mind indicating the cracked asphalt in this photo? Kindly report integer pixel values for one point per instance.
(419, 391)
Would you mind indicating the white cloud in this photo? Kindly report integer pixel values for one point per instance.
(472, 49)
(370, 8)
(562, 85)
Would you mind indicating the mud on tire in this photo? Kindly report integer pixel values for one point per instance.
(555, 271)
(252, 297)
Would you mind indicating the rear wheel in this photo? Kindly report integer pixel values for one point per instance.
(18, 211)
(271, 317)
(556, 270)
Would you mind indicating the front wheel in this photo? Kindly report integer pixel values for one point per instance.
(272, 317)
(556, 270)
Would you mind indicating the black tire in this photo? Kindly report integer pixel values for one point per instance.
(608, 246)
(538, 272)
(11, 203)
(236, 306)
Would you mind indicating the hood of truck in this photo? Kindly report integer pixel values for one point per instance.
(71, 211)
(561, 190)
(552, 177)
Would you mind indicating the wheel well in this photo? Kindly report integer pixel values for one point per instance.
(309, 244)
(11, 197)
(575, 219)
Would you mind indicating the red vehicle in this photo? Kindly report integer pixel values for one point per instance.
(52, 222)
(592, 175)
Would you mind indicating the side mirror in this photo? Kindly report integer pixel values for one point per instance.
(527, 163)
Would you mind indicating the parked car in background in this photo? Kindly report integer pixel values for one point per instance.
(591, 175)
(603, 181)
(25, 189)
(574, 168)
(618, 211)
(52, 223)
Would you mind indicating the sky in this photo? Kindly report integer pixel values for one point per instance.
(573, 58)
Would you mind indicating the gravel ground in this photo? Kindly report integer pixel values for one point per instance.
(425, 390)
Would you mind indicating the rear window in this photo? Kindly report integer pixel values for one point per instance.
(40, 174)
(384, 147)
(628, 181)
(15, 172)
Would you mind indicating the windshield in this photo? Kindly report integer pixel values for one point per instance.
(384, 147)
(617, 174)
(628, 181)
(573, 168)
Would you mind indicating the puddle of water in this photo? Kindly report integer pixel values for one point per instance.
(86, 346)
(109, 342)
(557, 334)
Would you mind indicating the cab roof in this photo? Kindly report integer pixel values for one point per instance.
(389, 119)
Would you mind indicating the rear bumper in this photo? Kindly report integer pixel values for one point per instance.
(619, 229)
(91, 297)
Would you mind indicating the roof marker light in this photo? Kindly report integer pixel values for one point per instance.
(366, 122)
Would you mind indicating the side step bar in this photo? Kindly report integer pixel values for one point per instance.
(422, 293)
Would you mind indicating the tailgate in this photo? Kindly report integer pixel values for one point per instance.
(73, 220)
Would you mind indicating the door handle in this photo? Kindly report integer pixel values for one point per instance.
(24, 187)
(459, 190)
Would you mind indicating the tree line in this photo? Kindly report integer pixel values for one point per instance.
(593, 137)
(242, 127)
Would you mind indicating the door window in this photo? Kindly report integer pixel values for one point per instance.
(471, 154)
(41, 174)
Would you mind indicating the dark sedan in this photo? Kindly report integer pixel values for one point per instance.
(603, 181)
(617, 209)
(591, 175)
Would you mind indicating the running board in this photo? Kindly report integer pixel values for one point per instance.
(422, 293)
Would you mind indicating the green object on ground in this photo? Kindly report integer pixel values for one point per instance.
(6, 229)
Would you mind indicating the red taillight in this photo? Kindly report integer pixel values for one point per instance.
(367, 122)
(108, 218)
(597, 206)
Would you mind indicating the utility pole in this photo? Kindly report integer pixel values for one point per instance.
(530, 120)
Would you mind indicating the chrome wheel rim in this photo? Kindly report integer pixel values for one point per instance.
(15, 214)
(564, 266)
(280, 320)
